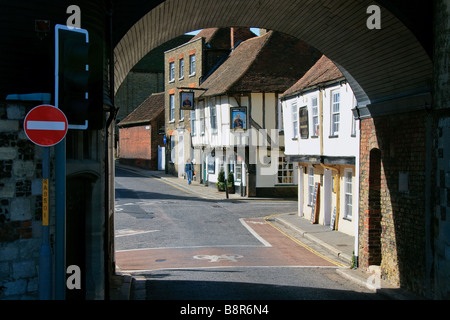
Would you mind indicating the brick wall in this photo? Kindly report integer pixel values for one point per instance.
(392, 199)
(135, 142)
(138, 145)
(20, 205)
(136, 87)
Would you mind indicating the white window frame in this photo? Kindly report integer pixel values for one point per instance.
(285, 173)
(193, 117)
(335, 112)
(202, 120)
(294, 110)
(171, 71)
(171, 108)
(192, 64)
(181, 68)
(213, 115)
(280, 124)
(310, 185)
(348, 194)
(315, 116)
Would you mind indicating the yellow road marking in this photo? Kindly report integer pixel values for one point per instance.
(301, 243)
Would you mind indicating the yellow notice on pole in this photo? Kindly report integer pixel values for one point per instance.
(45, 202)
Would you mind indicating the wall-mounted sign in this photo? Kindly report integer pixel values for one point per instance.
(186, 100)
(238, 116)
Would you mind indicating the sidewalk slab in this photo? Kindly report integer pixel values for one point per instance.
(339, 244)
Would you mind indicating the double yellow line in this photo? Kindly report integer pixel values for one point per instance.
(267, 219)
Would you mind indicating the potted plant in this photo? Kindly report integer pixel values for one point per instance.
(221, 181)
(230, 182)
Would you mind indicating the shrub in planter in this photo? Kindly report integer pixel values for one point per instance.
(221, 181)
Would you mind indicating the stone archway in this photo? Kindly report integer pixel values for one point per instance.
(379, 64)
(389, 69)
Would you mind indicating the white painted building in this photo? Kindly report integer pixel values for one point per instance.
(247, 88)
(322, 137)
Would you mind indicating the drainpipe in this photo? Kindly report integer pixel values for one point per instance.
(357, 174)
(321, 91)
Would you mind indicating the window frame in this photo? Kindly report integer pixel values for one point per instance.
(172, 71)
(171, 108)
(202, 119)
(348, 194)
(335, 116)
(315, 116)
(287, 171)
(193, 118)
(181, 69)
(192, 64)
(294, 112)
(213, 116)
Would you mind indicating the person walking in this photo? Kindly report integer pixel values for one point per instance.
(189, 169)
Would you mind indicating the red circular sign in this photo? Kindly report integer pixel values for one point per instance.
(45, 125)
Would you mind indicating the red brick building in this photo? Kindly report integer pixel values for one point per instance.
(141, 132)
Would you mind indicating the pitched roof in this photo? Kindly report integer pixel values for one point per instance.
(146, 112)
(322, 72)
(219, 38)
(269, 63)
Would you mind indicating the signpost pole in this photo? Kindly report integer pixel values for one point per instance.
(45, 255)
(60, 223)
(47, 126)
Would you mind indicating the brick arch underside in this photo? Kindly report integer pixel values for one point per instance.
(379, 64)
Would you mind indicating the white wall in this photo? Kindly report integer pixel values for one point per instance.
(224, 137)
(343, 145)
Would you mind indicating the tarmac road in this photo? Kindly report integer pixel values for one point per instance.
(182, 246)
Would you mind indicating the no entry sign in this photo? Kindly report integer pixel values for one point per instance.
(45, 125)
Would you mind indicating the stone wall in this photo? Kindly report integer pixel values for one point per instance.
(20, 205)
(440, 222)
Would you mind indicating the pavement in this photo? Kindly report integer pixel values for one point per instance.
(336, 243)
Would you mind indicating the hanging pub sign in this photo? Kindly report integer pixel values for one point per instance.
(238, 116)
(186, 100)
(303, 122)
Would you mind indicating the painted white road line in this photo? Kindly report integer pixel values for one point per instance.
(190, 247)
(131, 232)
(231, 267)
(257, 236)
(216, 258)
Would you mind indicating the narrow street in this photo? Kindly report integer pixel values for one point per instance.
(185, 247)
